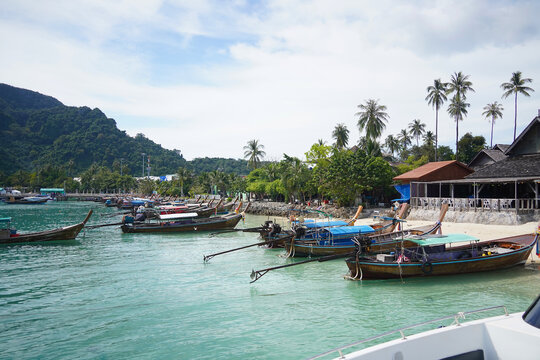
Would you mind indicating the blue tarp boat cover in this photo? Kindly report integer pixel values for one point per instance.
(350, 230)
(405, 191)
(322, 224)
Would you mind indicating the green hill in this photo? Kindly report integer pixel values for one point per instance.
(38, 130)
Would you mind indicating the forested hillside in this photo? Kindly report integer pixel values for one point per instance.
(200, 165)
(38, 130)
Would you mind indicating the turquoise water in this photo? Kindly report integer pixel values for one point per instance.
(109, 295)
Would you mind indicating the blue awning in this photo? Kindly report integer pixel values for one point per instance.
(350, 230)
(405, 191)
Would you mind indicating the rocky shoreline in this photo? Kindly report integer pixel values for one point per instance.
(271, 208)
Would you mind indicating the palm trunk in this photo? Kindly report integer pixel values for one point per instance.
(457, 135)
(492, 121)
(515, 116)
(436, 131)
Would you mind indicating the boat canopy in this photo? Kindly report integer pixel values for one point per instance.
(441, 240)
(350, 230)
(177, 216)
(321, 224)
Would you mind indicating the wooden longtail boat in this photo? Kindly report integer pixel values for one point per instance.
(300, 229)
(331, 241)
(228, 221)
(28, 200)
(440, 255)
(340, 239)
(8, 236)
(165, 225)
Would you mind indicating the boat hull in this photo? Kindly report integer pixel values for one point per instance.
(226, 222)
(362, 268)
(65, 233)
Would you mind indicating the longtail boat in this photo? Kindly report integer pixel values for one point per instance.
(331, 241)
(27, 200)
(10, 236)
(440, 255)
(340, 239)
(308, 229)
(169, 224)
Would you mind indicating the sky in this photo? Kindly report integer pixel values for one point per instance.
(206, 77)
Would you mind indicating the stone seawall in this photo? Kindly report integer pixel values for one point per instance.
(476, 217)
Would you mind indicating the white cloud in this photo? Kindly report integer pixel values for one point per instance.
(292, 70)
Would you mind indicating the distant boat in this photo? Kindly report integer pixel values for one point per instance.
(10, 236)
(434, 255)
(27, 200)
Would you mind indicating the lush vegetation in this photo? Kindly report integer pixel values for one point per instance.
(39, 131)
(47, 144)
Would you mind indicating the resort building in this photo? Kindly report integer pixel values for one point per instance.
(505, 182)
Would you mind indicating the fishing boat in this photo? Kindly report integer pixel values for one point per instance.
(506, 337)
(10, 236)
(449, 254)
(167, 225)
(339, 239)
(27, 200)
(170, 223)
(303, 229)
(328, 241)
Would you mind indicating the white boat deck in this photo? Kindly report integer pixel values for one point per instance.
(501, 337)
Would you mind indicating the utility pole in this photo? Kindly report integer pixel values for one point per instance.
(121, 161)
(143, 155)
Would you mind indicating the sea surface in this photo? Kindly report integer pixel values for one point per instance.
(109, 295)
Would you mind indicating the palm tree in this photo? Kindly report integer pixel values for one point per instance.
(436, 97)
(182, 176)
(392, 144)
(417, 129)
(404, 139)
(372, 118)
(321, 142)
(341, 134)
(429, 138)
(458, 109)
(494, 111)
(254, 153)
(459, 85)
(516, 86)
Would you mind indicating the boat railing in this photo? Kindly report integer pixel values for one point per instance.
(456, 322)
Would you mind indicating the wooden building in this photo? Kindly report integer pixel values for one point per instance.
(508, 183)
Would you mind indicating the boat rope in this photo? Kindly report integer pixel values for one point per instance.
(357, 267)
(459, 315)
(291, 249)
